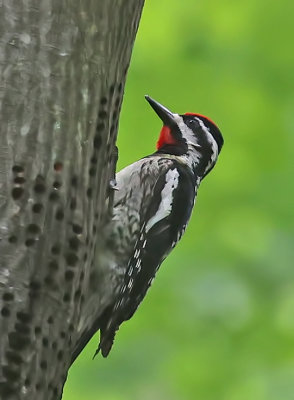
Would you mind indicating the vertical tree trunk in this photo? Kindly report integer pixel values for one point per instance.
(62, 72)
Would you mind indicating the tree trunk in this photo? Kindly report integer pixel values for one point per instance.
(63, 66)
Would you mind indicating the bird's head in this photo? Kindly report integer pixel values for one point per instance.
(188, 134)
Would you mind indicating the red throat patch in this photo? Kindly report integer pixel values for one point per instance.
(165, 137)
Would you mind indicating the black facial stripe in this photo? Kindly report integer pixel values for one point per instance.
(176, 133)
(213, 129)
(215, 132)
(177, 150)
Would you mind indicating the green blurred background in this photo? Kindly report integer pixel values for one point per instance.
(218, 323)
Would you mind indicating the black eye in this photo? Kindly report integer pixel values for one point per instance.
(193, 123)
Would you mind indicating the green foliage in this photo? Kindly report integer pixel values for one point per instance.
(218, 323)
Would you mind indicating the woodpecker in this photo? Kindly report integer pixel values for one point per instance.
(153, 201)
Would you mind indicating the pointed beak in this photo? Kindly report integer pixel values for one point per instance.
(166, 116)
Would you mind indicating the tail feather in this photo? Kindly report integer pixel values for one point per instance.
(106, 340)
(82, 342)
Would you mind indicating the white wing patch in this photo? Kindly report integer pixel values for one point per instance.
(165, 206)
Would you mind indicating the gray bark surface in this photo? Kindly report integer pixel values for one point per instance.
(63, 66)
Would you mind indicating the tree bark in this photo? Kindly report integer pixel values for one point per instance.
(63, 66)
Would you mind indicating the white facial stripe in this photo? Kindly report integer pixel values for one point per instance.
(214, 146)
(165, 206)
(187, 133)
(214, 155)
(206, 130)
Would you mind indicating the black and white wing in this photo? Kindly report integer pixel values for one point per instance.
(163, 224)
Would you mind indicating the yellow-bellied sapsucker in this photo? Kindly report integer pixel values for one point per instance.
(152, 206)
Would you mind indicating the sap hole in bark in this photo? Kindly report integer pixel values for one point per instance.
(34, 293)
(17, 341)
(112, 129)
(100, 127)
(27, 382)
(16, 193)
(102, 114)
(45, 342)
(7, 390)
(30, 242)
(115, 114)
(50, 320)
(69, 275)
(37, 208)
(49, 281)
(92, 171)
(19, 180)
(40, 186)
(111, 89)
(22, 328)
(74, 243)
(103, 101)
(74, 181)
(35, 285)
(5, 312)
(66, 297)
(38, 330)
(77, 229)
(10, 373)
(57, 185)
(77, 295)
(12, 239)
(53, 265)
(94, 160)
(33, 229)
(53, 196)
(43, 365)
(60, 355)
(89, 193)
(73, 203)
(97, 141)
(24, 317)
(14, 357)
(117, 103)
(55, 249)
(62, 335)
(54, 345)
(17, 169)
(58, 166)
(71, 259)
(59, 214)
(108, 146)
(8, 296)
